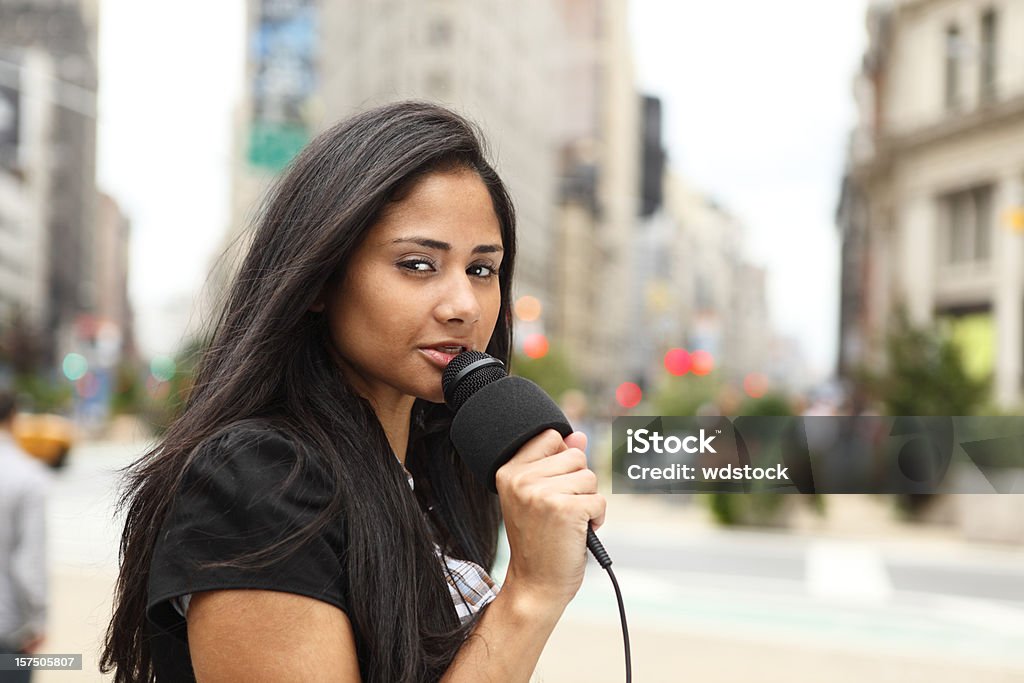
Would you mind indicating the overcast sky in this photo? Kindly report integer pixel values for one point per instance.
(170, 77)
(757, 104)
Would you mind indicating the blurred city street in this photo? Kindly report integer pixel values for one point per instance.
(724, 209)
(703, 603)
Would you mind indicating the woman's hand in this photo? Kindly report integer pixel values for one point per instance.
(548, 499)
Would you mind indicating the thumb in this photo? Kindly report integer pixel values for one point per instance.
(577, 440)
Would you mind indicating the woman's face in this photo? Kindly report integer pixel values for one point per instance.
(421, 287)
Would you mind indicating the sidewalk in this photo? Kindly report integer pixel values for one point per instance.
(80, 610)
(582, 651)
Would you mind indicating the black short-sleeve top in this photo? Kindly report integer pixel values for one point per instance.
(233, 500)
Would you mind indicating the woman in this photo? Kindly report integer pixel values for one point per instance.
(306, 517)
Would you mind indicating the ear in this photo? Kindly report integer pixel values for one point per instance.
(324, 297)
(320, 302)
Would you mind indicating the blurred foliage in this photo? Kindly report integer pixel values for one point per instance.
(129, 389)
(688, 395)
(759, 508)
(925, 374)
(41, 394)
(22, 360)
(684, 395)
(769, 405)
(21, 346)
(166, 400)
(552, 372)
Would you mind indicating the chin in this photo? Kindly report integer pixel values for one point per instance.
(433, 396)
(427, 389)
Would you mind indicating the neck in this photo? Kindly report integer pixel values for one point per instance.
(392, 408)
(395, 422)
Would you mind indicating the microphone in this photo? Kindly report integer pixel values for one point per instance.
(496, 414)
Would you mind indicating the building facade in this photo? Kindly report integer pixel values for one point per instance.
(113, 305)
(701, 291)
(26, 126)
(931, 205)
(48, 183)
(600, 135)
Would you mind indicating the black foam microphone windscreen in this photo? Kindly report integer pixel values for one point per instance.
(495, 414)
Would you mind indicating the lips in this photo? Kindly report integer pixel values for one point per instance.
(442, 354)
(439, 357)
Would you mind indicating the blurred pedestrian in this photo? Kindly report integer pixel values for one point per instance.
(23, 570)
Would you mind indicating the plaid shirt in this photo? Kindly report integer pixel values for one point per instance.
(469, 584)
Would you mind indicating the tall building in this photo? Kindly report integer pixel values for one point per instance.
(931, 211)
(598, 110)
(113, 306)
(715, 294)
(48, 55)
(491, 61)
(26, 123)
(573, 306)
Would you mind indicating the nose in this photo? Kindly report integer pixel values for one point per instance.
(458, 302)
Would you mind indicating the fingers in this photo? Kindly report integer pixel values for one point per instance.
(550, 442)
(565, 462)
(541, 446)
(579, 482)
(595, 506)
(577, 440)
(549, 465)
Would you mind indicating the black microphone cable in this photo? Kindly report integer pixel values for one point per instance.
(603, 559)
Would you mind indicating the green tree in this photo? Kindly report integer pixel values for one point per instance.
(758, 508)
(552, 372)
(925, 374)
(23, 358)
(683, 396)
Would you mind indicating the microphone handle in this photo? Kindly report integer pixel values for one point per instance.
(596, 549)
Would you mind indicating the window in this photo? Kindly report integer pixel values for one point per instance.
(953, 50)
(989, 54)
(968, 226)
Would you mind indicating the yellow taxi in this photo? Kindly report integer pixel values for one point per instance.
(46, 437)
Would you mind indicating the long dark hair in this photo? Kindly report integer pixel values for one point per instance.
(269, 359)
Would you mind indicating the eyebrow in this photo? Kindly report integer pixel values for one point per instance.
(444, 246)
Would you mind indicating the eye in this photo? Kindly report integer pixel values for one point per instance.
(482, 270)
(417, 265)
